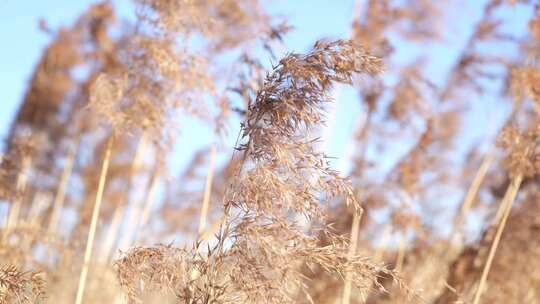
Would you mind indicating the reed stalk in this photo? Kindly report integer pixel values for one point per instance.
(93, 223)
(506, 207)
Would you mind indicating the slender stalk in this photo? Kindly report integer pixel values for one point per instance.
(506, 206)
(15, 209)
(347, 289)
(133, 221)
(61, 191)
(120, 210)
(33, 220)
(207, 190)
(355, 229)
(500, 211)
(112, 232)
(148, 203)
(94, 220)
(457, 232)
(38, 202)
(134, 218)
(212, 229)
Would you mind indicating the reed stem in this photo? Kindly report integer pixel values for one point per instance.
(355, 229)
(207, 191)
(94, 220)
(506, 206)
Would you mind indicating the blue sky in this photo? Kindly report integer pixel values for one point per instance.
(24, 41)
(312, 20)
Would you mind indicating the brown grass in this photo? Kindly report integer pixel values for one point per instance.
(267, 219)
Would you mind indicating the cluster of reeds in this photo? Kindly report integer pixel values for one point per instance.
(94, 211)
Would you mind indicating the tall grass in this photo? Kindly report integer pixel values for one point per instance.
(94, 210)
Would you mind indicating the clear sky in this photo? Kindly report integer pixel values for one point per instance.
(23, 43)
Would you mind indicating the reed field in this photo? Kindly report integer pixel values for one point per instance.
(435, 199)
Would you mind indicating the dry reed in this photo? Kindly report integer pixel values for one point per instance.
(416, 220)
